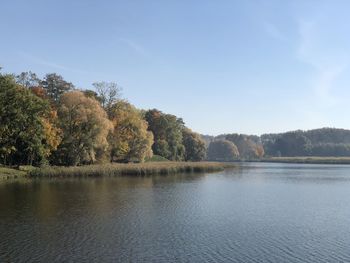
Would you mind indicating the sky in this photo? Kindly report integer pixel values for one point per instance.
(248, 66)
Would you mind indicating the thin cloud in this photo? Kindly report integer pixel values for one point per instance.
(274, 32)
(306, 31)
(324, 83)
(50, 64)
(135, 47)
(327, 67)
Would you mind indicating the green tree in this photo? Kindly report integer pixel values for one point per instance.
(130, 139)
(85, 128)
(28, 79)
(222, 150)
(167, 131)
(194, 145)
(92, 94)
(24, 118)
(50, 123)
(316, 142)
(56, 86)
(293, 144)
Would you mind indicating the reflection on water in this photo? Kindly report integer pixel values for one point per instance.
(255, 213)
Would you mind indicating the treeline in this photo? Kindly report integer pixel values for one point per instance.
(317, 142)
(50, 121)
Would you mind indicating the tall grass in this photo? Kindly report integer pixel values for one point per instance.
(139, 169)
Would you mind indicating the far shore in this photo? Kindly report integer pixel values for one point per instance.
(299, 159)
(308, 160)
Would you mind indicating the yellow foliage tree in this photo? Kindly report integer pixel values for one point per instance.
(52, 133)
(130, 140)
(85, 128)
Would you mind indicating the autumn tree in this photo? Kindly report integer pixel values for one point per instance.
(259, 150)
(249, 146)
(85, 128)
(222, 150)
(52, 134)
(130, 140)
(167, 131)
(24, 121)
(56, 86)
(194, 145)
(39, 91)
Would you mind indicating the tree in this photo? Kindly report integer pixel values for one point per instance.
(24, 118)
(40, 92)
(167, 131)
(293, 144)
(249, 146)
(85, 128)
(108, 93)
(130, 139)
(259, 150)
(222, 150)
(28, 79)
(207, 139)
(52, 134)
(56, 86)
(194, 145)
(92, 94)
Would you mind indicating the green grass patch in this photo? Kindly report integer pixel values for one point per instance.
(157, 158)
(9, 173)
(133, 169)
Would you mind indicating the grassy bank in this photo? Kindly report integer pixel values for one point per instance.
(10, 173)
(309, 159)
(137, 169)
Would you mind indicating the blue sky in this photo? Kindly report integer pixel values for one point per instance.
(223, 66)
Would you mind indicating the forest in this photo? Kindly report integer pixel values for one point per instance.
(50, 122)
(322, 142)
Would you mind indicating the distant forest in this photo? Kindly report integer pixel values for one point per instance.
(317, 142)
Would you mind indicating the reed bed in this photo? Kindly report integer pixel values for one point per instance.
(132, 169)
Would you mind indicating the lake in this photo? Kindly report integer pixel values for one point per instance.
(259, 212)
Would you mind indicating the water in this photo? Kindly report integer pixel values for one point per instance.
(258, 213)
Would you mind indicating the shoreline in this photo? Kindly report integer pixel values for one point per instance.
(115, 169)
(306, 160)
(150, 168)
